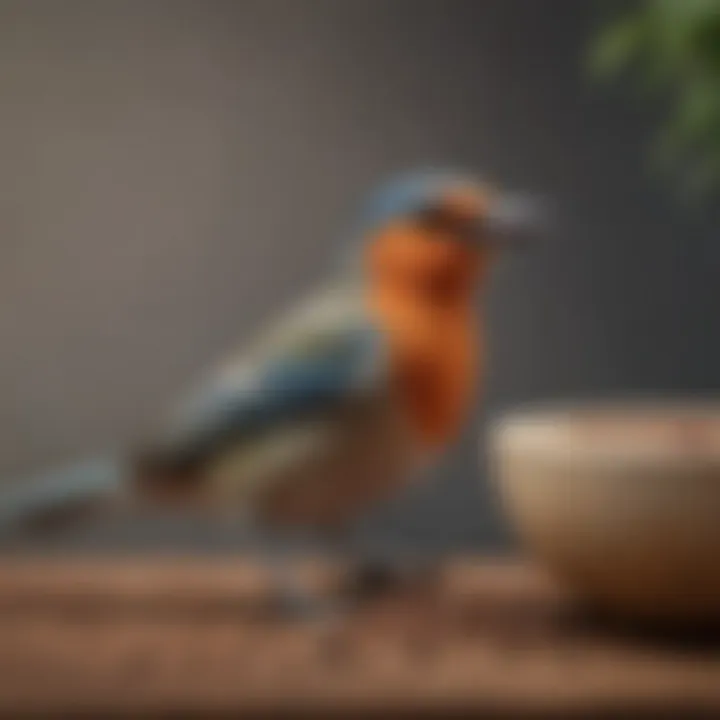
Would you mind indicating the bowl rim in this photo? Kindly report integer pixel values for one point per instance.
(549, 427)
(601, 407)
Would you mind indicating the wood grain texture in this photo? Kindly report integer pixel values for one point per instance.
(190, 638)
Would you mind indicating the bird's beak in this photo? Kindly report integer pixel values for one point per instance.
(515, 220)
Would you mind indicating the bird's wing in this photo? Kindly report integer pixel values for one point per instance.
(323, 354)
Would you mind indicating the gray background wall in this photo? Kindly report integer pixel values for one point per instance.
(174, 171)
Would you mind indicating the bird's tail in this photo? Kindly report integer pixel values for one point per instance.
(54, 496)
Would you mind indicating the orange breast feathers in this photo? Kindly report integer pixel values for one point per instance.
(421, 291)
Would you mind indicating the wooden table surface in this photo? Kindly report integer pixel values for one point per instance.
(192, 638)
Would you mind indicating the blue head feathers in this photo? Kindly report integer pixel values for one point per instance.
(411, 193)
(403, 196)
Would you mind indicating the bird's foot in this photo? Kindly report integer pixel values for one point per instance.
(294, 605)
(370, 580)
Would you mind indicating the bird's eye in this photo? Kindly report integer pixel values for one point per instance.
(440, 219)
(436, 218)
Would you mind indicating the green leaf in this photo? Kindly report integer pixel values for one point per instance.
(698, 111)
(673, 46)
(618, 46)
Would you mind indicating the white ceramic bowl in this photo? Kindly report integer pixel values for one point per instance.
(619, 501)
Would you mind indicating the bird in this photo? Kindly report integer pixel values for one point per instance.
(338, 403)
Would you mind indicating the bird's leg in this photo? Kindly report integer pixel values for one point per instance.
(291, 594)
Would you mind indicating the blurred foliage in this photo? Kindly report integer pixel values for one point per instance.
(672, 47)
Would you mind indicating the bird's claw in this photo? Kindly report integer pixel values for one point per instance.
(371, 580)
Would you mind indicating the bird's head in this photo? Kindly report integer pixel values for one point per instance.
(436, 233)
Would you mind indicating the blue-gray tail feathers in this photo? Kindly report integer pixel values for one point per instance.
(57, 493)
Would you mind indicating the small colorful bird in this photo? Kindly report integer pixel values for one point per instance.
(355, 392)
